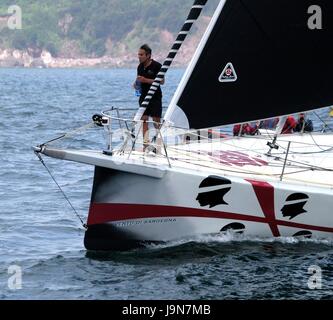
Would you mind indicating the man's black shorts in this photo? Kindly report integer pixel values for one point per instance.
(154, 108)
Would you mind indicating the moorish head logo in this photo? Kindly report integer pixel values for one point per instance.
(295, 205)
(216, 189)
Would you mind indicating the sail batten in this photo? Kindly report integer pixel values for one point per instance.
(258, 59)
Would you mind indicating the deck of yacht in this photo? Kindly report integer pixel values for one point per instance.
(307, 160)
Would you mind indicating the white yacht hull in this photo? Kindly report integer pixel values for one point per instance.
(128, 210)
(231, 184)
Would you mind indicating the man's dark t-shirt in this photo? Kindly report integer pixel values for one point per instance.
(150, 73)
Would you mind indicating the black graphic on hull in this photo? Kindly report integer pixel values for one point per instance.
(106, 237)
(215, 197)
(295, 205)
(303, 234)
(235, 227)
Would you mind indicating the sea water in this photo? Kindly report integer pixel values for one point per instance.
(41, 237)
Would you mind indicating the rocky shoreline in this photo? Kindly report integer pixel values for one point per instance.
(10, 58)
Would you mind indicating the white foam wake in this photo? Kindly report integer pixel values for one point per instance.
(233, 237)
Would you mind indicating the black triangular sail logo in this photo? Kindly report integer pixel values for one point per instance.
(228, 74)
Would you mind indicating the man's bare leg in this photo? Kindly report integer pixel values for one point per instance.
(157, 125)
(145, 130)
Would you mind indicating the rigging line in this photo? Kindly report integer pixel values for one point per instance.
(312, 152)
(248, 171)
(216, 164)
(63, 193)
(293, 152)
(312, 167)
(216, 167)
(212, 151)
(324, 122)
(283, 138)
(233, 145)
(292, 162)
(277, 175)
(273, 175)
(68, 134)
(319, 145)
(309, 144)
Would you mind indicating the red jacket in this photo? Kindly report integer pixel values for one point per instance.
(247, 129)
(289, 126)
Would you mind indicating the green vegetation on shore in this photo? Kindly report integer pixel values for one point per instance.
(94, 28)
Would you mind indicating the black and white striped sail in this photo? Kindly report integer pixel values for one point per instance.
(258, 59)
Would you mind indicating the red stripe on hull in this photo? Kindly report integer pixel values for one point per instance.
(265, 194)
(103, 213)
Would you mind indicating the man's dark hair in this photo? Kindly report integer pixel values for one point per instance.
(146, 48)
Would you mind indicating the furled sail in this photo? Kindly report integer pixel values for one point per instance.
(258, 59)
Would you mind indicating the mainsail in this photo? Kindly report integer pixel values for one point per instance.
(258, 59)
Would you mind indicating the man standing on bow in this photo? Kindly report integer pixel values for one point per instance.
(146, 74)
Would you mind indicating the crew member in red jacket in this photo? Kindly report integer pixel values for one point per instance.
(289, 126)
